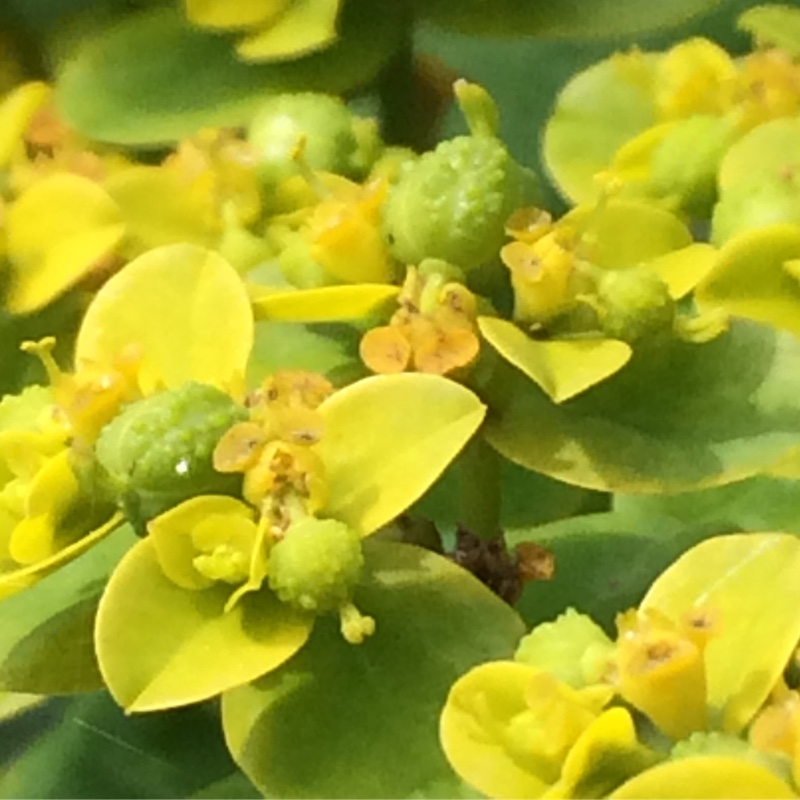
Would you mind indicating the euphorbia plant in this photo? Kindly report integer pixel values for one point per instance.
(307, 406)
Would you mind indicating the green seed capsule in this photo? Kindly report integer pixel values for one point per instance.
(453, 203)
(158, 451)
(634, 303)
(316, 565)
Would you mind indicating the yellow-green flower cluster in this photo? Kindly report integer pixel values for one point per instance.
(687, 695)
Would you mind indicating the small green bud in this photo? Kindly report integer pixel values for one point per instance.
(573, 648)
(316, 565)
(322, 121)
(634, 303)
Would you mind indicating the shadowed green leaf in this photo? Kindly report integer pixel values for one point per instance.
(678, 417)
(344, 708)
(46, 639)
(190, 78)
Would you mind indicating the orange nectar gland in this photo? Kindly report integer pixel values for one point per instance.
(88, 400)
(661, 669)
(433, 331)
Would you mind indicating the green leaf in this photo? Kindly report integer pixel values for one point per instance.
(598, 111)
(562, 368)
(387, 439)
(327, 349)
(760, 503)
(526, 498)
(46, 640)
(345, 708)
(160, 646)
(92, 749)
(679, 417)
(191, 78)
(326, 304)
(773, 25)
(235, 786)
(751, 280)
(604, 562)
(577, 18)
(751, 582)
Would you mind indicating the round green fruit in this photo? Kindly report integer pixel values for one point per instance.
(634, 304)
(316, 565)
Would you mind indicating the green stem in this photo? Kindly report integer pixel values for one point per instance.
(396, 88)
(480, 488)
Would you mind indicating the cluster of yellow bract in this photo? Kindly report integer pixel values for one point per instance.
(577, 714)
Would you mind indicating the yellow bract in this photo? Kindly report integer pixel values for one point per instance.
(241, 14)
(508, 729)
(563, 368)
(16, 110)
(58, 231)
(208, 539)
(184, 308)
(750, 583)
(704, 777)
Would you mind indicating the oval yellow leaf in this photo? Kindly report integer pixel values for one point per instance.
(683, 269)
(625, 233)
(750, 280)
(58, 231)
(306, 26)
(158, 209)
(387, 439)
(161, 646)
(16, 580)
(751, 582)
(563, 368)
(705, 777)
(185, 309)
(479, 708)
(326, 304)
(241, 14)
(16, 110)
